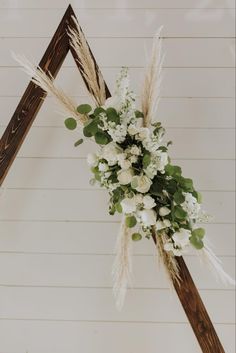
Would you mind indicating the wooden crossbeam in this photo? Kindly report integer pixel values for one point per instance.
(14, 136)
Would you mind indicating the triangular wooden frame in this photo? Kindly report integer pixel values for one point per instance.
(15, 134)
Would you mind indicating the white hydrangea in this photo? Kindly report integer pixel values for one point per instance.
(191, 206)
(110, 153)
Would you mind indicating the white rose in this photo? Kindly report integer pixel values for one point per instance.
(181, 238)
(128, 205)
(125, 164)
(102, 167)
(163, 224)
(125, 176)
(92, 159)
(148, 202)
(110, 152)
(141, 183)
(164, 211)
(148, 217)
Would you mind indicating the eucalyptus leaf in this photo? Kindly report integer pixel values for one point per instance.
(136, 236)
(70, 123)
(180, 213)
(84, 109)
(79, 142)
(130, 221)
(102, 138)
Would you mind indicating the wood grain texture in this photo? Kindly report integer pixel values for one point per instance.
(14, 137)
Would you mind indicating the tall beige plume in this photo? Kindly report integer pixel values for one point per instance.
(46, 82)
(152, 83)
(90, 71)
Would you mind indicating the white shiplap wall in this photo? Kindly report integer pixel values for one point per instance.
(56, 239)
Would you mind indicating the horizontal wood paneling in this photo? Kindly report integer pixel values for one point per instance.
(69, 304)
(117, 4)
(120, 23)
(91, 238)
(178, 82)
(182, 52)
(173, 112)
(59, 143)
(84, 205)
(48, 270)
(46, 173)
(90, 337)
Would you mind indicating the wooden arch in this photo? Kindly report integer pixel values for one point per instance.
(14, 136)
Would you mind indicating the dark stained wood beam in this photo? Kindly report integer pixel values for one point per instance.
(15, 134)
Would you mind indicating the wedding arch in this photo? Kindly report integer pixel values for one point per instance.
(16, 132)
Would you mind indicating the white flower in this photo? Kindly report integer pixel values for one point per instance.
(163, 224)
(141, 183)
(148, 202)
(103, 167)
(164, 211)
(148, 217)
(181, 238)
(135, 150)
(170, 247)
(132, 129)
(133, 159)
(123, 162)
(125, 176)
(92, 159)
(110, 152)
(128, 205)
(144, 133)
(138, 199)
(191, 206)
(162, 161)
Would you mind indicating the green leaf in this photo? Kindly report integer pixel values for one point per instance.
(199, 197)
(112, 115)
(118, 207)
(163, 149)
(99, 110)
(70, 123)
(84, 108)
(102, 138)
(173, 170)
(77, 143)
(196, 242)
(186, 184)
(130, 221)
(179, 213)
(91, 128)
(199, 233)
(146, 160)
(179, 197)
(136, 236)
(138, 114)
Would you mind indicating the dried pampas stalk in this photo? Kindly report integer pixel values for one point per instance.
(122, 267)
(152, 83)
(45, 81)
(214, 264)
(167, 257)
(90, 70)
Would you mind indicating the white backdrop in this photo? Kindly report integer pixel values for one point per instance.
(56, 239)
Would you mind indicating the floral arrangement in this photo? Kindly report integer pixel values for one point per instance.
(132, 162)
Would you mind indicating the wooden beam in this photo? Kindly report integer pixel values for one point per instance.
(15, 134)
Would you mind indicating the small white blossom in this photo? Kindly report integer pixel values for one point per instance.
(170, 247)
(138, 199)
(163, 224)
(148, 202)
(133, 159)
(164, 211)
(191, 206)
(110, 153)
(125, 164)
(135, 150)
(103, 167)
